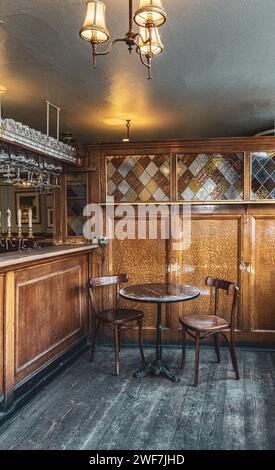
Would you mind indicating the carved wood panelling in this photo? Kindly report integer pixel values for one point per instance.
(144, 261)
(215, 250)
(50, 312)
(263, 273)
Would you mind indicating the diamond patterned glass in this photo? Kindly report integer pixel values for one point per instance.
(210, 177)
(263, 176)
(76, 201)
(139, 178)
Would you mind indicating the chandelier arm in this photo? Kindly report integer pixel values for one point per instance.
(138, 35)
(141, 56)
(110, 47)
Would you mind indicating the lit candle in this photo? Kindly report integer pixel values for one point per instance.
(8, 218)
(30, 218)
(19, 217)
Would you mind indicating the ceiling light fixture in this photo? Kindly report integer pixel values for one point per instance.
(128, 125)
(147, 43)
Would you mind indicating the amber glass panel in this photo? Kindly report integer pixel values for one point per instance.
(76, 201)
(210, 177)
(263, 176)
(139, 178)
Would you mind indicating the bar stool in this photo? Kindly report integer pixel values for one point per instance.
(203, 326)
(117, 319)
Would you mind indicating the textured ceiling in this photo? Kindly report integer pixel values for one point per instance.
(215, 78)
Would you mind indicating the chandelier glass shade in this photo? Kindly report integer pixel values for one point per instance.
(147, 46)
(94, 27)
(150, 12)
(150, 15)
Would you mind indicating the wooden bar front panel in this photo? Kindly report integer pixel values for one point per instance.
(1, 335)
(50, 312)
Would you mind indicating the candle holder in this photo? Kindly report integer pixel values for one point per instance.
(20, 232)
(30, 233)
(9, 235)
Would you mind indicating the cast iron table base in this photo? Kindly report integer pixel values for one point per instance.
(158, 367)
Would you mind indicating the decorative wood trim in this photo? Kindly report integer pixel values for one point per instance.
(173, 177)
(95, 177)
(193, 203)
(9, 340)
(227, 144)
(247, 176)
(103, 178)
(58, 213)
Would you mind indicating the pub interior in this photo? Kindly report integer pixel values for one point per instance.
(122, 340)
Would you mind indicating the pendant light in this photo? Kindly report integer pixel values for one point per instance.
(150, 15)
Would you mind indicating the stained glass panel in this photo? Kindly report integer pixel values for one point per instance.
(140, 178)
(210, 177)
(76, 201)
(263, 176)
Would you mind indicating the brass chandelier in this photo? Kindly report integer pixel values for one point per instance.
(147, 43)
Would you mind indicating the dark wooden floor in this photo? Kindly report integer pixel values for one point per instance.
(88, 408)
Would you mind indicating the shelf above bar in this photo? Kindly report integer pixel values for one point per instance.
(46, 146)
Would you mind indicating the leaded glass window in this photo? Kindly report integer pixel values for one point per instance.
(263, 176)
(76, 201)
(210, 177)
(140, 178)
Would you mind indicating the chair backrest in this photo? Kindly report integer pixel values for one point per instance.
(230, 288)
(105, 282)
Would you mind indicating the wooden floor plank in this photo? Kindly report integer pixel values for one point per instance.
(233, 415)
(253, 434)
(88, 408)
(211, 425)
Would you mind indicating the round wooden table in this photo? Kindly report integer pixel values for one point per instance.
(159, 293)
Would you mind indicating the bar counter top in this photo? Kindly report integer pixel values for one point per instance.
(18, 258)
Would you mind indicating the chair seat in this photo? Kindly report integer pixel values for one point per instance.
(120, 315)
(204, 322)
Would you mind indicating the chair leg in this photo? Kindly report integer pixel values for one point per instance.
(233, 355)
(217, 346)
(197, 359)
(116, 338)
(94, 336)
(140, 338)
(183, 343)
(119, 341)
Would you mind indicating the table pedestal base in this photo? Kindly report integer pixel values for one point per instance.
(157, 368)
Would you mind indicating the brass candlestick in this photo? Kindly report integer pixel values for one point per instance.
(20, 233)
(30, 233)
(9, 233)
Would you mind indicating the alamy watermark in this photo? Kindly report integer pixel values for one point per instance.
(139, 222)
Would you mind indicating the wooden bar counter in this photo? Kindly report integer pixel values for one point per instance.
(43, 313)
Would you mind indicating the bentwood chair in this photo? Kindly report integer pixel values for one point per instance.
(203, 326)
(117, 319)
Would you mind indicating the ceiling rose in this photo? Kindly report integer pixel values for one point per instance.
(149, 16)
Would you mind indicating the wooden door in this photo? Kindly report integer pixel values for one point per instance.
(262, 275)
